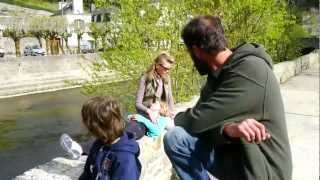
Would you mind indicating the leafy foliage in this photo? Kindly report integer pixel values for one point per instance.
(140, 29)
(48, 28)
(265, 22)
(15, 29)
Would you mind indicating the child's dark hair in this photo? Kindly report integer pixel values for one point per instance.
(102, 116)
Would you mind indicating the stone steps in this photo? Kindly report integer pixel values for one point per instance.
(38, 82)
(33, 88)
(30, 75)
(5, 81)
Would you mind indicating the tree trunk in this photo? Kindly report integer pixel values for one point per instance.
(103, 40)
(67, 45)
(95, 44)
(55, 46)
(51, 46)
(17, 45)
(60, 41)
(40, 42)
(47, 45)
(79, 38)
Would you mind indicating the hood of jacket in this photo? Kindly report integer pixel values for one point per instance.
(248, 49)
(126, 143)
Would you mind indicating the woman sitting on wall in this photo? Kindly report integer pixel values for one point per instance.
(154, 90)
(155, 85)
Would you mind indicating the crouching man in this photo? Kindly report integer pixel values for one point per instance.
(237, 129)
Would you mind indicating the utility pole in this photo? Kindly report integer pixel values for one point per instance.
(62, 4)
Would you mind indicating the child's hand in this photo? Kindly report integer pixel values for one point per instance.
(153, 116)
(172, 115)
(132, 117)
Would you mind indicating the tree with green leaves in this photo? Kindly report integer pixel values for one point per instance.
(37, 26)
(57, 25)
(79, 27)
(99, 31)
(15, 29)
(65, 35)
(140, 29)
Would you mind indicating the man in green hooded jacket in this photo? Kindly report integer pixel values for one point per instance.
(237, 129)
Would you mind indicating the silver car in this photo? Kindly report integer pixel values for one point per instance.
(34, 50)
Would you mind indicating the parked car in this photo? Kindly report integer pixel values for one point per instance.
(1, 52)
(34, 50)
(86, 49)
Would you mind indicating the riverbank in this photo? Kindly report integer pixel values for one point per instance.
(37, 74)
(299, 104)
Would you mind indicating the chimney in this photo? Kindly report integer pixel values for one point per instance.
(77, 6)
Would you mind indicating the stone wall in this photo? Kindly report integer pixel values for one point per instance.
(155, 163)
(8, 45)
(36, 74)
(285, 70)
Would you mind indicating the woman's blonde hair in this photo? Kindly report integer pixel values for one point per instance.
(163, 56)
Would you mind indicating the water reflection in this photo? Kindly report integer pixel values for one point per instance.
(6, 126)
(30, 127)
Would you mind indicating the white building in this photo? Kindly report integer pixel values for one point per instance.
(74, 13)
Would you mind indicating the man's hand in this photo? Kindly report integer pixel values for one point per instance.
(249, 129)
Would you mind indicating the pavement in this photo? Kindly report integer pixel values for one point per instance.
(301, 101)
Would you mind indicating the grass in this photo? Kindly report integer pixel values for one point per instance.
(34, 4)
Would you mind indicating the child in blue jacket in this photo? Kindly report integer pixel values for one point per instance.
(114, 155)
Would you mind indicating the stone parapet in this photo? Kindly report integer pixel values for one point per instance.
(288, 69)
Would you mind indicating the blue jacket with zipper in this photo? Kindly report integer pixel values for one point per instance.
(123, 159)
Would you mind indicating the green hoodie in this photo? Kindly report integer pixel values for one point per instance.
(245, 87)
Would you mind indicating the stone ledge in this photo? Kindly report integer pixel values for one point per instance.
(156, 165)
(152, 156)
(288, 69)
